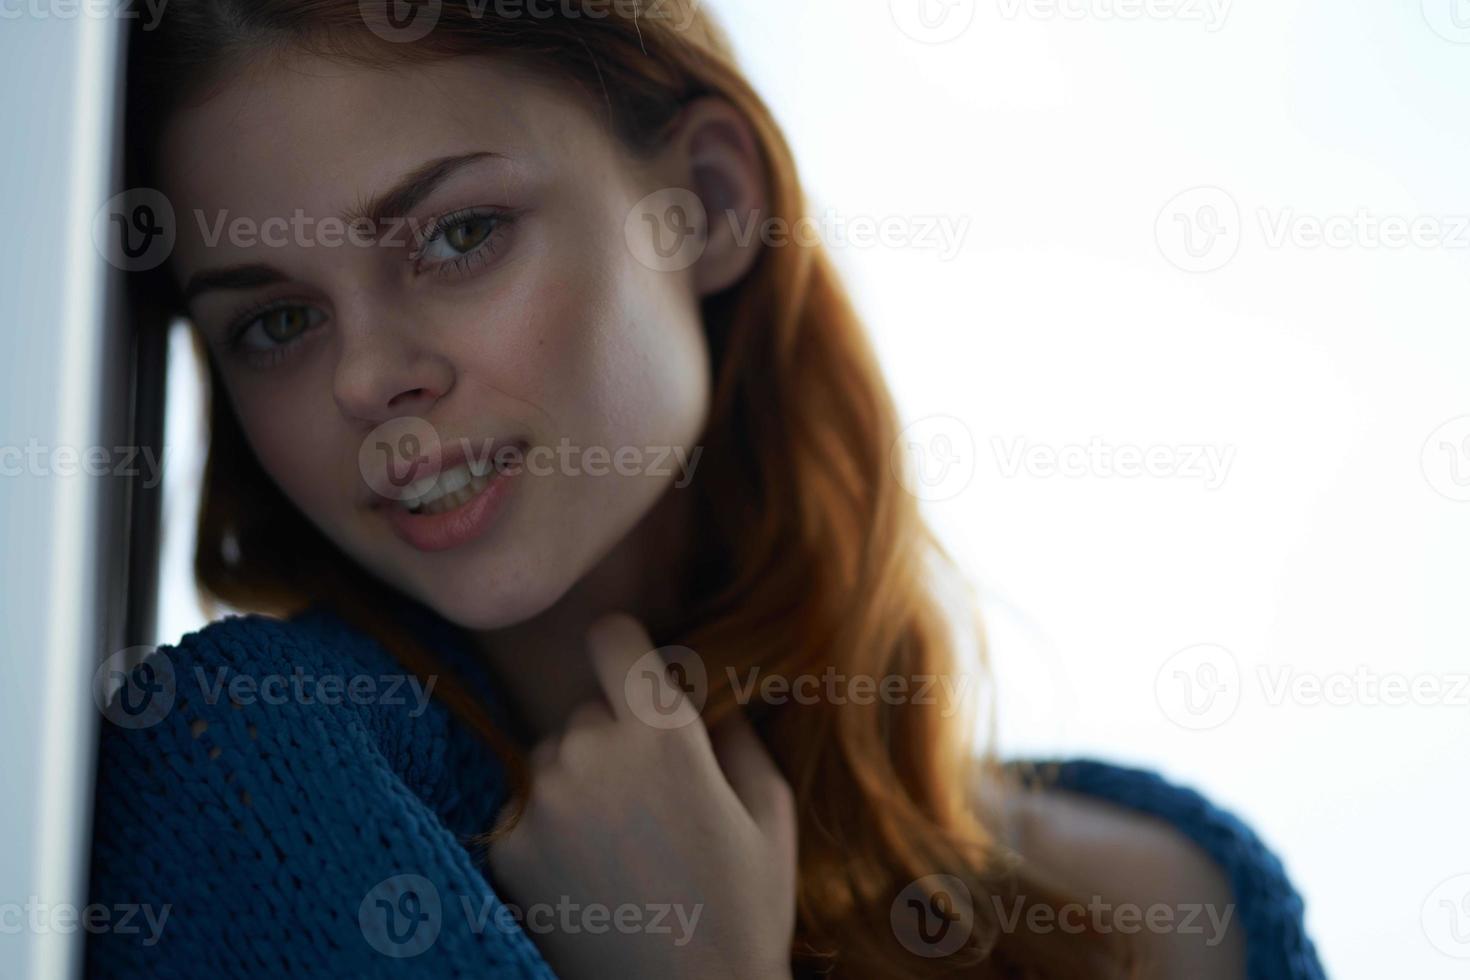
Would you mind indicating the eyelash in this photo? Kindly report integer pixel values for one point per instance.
(249, 318)
(499, 218)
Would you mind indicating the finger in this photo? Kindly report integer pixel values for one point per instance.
(544, 753)
(756, 780)
(616, 644)
(632, 674)
(592, 713)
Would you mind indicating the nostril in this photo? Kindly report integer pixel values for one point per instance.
(401, 396)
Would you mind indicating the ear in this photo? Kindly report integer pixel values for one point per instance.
(715, 150)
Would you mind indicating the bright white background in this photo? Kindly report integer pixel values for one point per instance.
(1151, 619)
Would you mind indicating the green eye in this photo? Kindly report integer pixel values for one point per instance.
(469, 233)
(283, 325)
(461, 240)
(275, 327)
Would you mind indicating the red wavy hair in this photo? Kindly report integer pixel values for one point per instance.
(813, 556)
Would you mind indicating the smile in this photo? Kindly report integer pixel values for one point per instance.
(452, 507)
(449, 490)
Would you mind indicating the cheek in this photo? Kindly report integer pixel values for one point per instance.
(615, 357)
(661, 361)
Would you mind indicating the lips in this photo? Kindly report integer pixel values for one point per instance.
(453, 498)
(455, 485)
(409, 480)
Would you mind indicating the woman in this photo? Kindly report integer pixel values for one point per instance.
(510, 410)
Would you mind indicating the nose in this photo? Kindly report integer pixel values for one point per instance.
(382, 374)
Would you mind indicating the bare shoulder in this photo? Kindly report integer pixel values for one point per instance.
(1156, 884)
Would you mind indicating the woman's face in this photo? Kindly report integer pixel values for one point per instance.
(524, 329)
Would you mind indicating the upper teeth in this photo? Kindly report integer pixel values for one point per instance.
(430, 489)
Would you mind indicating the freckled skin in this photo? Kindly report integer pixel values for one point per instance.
(562, 333)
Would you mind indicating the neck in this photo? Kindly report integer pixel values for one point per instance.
(541, 663)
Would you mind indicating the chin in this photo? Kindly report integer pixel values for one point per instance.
(493, 598)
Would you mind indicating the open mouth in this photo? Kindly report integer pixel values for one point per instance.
(457, 484)
(457, 504)
(454, 488)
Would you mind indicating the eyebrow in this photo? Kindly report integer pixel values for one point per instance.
(398, 200)
(412, 188)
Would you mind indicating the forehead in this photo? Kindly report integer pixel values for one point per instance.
(312, 134)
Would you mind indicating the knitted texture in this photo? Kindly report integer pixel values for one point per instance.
(1266, 905)
(290, 837)
(303, 809)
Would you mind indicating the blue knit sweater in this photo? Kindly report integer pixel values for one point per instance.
(301, 808)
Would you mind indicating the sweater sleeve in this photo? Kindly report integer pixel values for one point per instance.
(1270, 908)
(245, 829)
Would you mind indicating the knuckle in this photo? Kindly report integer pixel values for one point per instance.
(587, 715)
(513, 852)
(544, 754)
(582, 751)
(783, 797)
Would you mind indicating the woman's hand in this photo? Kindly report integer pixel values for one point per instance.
(652, 852)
